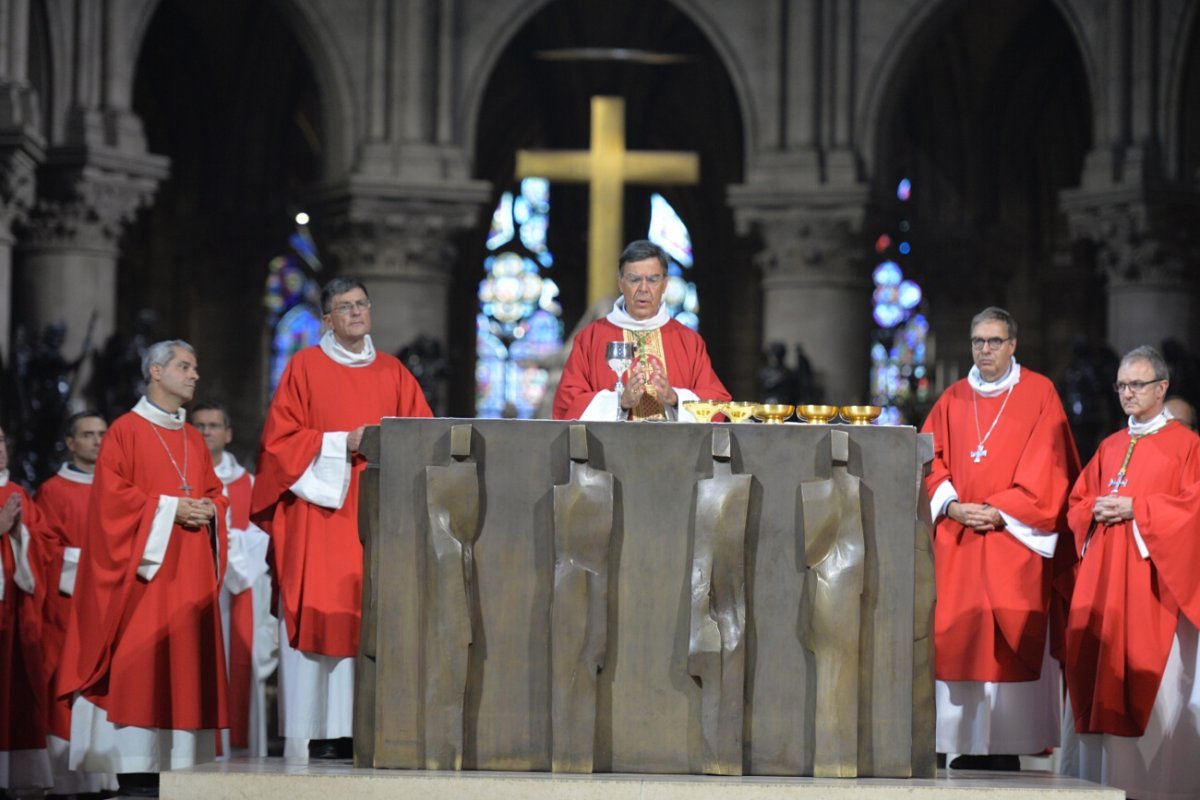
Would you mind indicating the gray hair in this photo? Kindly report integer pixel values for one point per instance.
(159, 354)
(998, 314)
(339, 286)
(1152, 357)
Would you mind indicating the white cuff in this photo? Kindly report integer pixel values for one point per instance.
(247, 558)
(18, 538)
(943, 496)
(1140, 542)
(66, 581)
(160, 537)
(327, 479)
(1040, 542)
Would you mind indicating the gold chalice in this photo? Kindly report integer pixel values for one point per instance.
(773, 413)
(739, 412)
(702, 410)
(860, 415)
(817, 415)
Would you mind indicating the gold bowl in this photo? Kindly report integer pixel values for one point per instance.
(702, 410)
(817, 415)
(739, 412)
(861, 415)
(773, 413)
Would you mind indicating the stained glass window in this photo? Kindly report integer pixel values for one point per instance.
(899, 374)
(518, 325)
(293, 301)
(668, 232)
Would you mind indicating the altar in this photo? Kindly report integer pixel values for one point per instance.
(646, 598)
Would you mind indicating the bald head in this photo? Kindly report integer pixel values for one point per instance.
(1182, 410)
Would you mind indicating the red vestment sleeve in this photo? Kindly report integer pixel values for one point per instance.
(1170, 526)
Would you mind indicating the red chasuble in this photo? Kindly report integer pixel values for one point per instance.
(1125, 608)
(994, 593)
(23, 697)
(586, 371)
(148, 652)
(317, 553)
(65, 503)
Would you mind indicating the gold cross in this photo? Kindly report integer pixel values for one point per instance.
(606, 168)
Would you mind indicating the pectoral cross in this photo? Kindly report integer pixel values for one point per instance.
(1116, 483)
(606, 168)
(978, 453)
(187, 490)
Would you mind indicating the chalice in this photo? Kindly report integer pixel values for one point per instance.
(860, 415)
(773, 413)
(816, 414)
(702, 410)
(739, 412)
(620, 358)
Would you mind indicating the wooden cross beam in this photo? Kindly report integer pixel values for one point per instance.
(606, 168)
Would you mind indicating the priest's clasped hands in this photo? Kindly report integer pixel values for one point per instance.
(656, 385)
(1112, 509)
(10, 514)
(977, 516)
(195, 512)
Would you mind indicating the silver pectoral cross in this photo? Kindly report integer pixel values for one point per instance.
(187, 490)
(978, 453)
(1116, 483)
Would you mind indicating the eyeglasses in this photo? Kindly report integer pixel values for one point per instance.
(993, 343)
(638, 280)
(1135, 386)
(345, 309)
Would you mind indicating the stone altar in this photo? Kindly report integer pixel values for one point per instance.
(648, 705)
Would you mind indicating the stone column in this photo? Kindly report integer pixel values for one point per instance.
(20, 151)
(400, 240)
(816, 285)
(1147, 246)
(68, 249)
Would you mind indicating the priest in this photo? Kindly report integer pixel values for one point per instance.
(1003, 462)
(143, 658)
(306, 498)
(251, 630)
(25, 555)
(64, 499)
(1132, 643)
(670, 365)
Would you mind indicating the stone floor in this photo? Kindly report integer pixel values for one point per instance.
(280, 779)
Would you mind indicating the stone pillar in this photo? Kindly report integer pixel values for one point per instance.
(1146, 246)
(68, 249)
(20, 152)
(816, 285)
(400, 240)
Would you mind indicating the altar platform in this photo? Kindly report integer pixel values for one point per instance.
(282, 779)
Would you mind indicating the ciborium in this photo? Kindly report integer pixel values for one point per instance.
(739, 411)
(702, 410)
(817, 415)
(861, 415)
(773, 413)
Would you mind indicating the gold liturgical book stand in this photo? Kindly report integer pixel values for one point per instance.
(659, 598)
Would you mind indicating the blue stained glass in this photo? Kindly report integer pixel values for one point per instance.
(537, 193)
(298, 328)
(905, 248)
(888, 274)
(668, 231)
(904, 190)
(888, 315)
(688, 319)
(909, 294)
(502, 230)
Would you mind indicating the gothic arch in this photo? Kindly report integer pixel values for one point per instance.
(900, 53)
(1181, 117)
(338, 100)
(499, 40)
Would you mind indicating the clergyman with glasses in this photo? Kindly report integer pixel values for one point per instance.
(306, 499)
(1004, 461)
(670, 364)
(1132, 642)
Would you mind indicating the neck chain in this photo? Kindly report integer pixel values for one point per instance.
(979, 452)
(182, 473)
(1116, 483)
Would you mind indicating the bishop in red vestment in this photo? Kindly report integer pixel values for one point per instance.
(1003, 463)
(26, 553)
(1132, 644)
(671, 363)
(64, 499)
(143, 657)
(306, 498)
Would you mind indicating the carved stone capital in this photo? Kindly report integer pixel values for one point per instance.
(21, 151)
(387, 229)
(1141, 236)
(87, 195)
